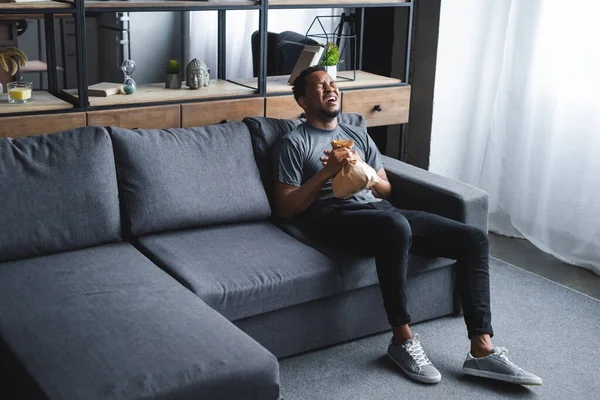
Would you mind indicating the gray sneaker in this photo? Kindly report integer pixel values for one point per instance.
(498, 366)
(411, 359)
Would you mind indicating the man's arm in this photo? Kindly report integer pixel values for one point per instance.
(382, 189)
(291, 200)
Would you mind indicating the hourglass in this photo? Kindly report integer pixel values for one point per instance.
(128, 68)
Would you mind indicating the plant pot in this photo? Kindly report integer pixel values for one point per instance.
(332, 71)
(173, 81)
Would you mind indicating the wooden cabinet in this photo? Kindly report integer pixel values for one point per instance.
(17, 127)
(215, 112)
(385, 106)
(158, 117)
(283, 107)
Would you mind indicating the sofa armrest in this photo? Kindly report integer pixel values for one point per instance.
(417, 189)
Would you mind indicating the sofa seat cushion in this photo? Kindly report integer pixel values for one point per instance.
(244, 269)
(189, 177)
(359, 271)
(106, 323)
(58, 193)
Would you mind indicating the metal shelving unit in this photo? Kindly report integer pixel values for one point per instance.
(80, 9)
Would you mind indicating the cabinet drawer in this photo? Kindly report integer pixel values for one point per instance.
(393, 104)
(215, 112)
(17, 127)
(158, 117)
(283, 107)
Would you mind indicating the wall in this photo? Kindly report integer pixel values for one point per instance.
(155, 38)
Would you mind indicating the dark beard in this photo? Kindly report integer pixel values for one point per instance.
(329, 114)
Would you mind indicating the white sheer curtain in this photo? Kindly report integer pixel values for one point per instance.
(517, 113)
(240, 26)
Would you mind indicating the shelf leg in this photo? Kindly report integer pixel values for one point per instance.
(222, 37)
(50, 53)
(262, 27)
(80, 39)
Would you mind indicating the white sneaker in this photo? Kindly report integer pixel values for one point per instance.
(498, 366)
(411, 359)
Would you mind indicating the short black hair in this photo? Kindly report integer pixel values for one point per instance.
(299, 85)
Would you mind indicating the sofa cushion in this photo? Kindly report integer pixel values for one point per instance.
(58, 192)
(105, 323)
(267, 131)
(360, 271)
(182, 178)
(244, 269)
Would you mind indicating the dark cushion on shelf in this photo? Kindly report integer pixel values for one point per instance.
(58, 192)
(106, 323)
(188, 177)
(265, 132)
(244, 269)
(360, 271)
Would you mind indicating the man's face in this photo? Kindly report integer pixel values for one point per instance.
(322, 96)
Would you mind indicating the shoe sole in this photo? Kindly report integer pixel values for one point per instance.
(501, 377)
(417, 377)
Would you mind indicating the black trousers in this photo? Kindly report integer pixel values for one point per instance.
(381, 230)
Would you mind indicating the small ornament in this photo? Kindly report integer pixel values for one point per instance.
(128, 68)
(197, 74)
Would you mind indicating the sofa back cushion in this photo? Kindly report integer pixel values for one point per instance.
(187, 177)
(58, 193)
(265, 132)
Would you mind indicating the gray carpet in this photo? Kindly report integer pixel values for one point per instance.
(549, 330)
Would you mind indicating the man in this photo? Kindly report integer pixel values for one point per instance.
(304, 166)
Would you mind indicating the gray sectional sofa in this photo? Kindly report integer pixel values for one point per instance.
(147, 264)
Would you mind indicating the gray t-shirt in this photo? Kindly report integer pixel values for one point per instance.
(297, 158)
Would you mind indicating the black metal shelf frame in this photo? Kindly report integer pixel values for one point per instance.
(340, 5)
(80, 12)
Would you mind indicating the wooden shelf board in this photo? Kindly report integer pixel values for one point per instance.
(168, 4)
(41, 101)
(279, 85)
(34, 5)
(156, 92)
(37, 66)
(329, 3)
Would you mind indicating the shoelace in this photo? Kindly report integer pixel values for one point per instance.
(417, 353)
(502, 352)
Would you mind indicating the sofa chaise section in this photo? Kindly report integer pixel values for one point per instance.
(85, 316)
(106, 323)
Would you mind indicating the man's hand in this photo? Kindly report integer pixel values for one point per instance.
(336, 159)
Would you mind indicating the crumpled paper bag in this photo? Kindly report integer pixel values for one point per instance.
(354, 176)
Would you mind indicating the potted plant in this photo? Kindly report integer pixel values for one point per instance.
(11, 59)
(173, 77)
(331, 59)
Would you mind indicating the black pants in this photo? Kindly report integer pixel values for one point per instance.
(381, 230)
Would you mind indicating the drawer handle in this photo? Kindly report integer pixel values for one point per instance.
(303, 115)
(224, 121)
(378, 108)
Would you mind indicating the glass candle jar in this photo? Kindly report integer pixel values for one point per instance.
(19, 92)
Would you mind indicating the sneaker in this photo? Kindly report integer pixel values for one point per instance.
(411, 359)
(498, 366)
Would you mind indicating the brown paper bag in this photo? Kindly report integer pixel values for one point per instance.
(354, 177)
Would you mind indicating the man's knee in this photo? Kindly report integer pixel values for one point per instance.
(396, 228)
(476, 237)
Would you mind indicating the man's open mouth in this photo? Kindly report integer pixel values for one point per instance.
(330, 99)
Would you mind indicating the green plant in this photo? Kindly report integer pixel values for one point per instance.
(332, 55)
(173, 67)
